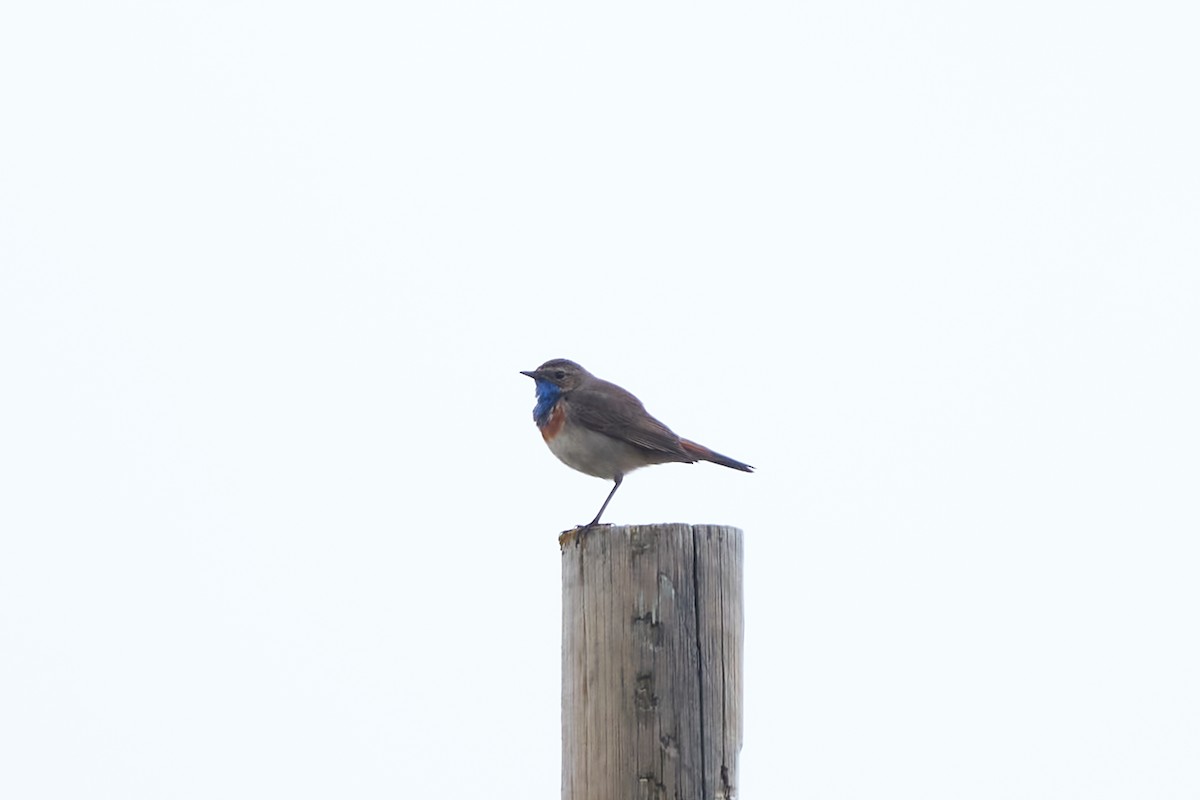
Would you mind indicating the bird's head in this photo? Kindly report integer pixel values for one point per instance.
(560, 372)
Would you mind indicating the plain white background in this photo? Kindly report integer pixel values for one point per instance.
(275, 520)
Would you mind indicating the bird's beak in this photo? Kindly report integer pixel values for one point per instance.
(530, 374)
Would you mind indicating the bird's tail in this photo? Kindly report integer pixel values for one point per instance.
(702, 453)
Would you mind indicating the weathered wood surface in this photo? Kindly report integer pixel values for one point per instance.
(652, 662)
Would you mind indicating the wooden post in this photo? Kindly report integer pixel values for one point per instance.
(652, 662)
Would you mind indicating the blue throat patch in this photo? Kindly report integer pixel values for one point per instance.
(547, 396)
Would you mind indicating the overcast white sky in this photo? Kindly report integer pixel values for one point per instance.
(274, 517)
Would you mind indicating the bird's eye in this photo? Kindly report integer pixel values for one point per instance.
(560, 374)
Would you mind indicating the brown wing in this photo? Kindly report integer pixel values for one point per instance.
(609, 409)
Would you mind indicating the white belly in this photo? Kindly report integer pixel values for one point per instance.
(594, 453)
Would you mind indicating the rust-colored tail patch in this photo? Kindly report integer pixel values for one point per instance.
(702, 453)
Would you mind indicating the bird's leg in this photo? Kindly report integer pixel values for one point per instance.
(616, 485)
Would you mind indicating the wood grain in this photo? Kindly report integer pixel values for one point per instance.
(652, 662)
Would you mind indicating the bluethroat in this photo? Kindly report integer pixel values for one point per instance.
(600, 429)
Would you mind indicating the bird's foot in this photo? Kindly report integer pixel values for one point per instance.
(567, 537)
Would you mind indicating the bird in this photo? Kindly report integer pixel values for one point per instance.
(600, 429)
